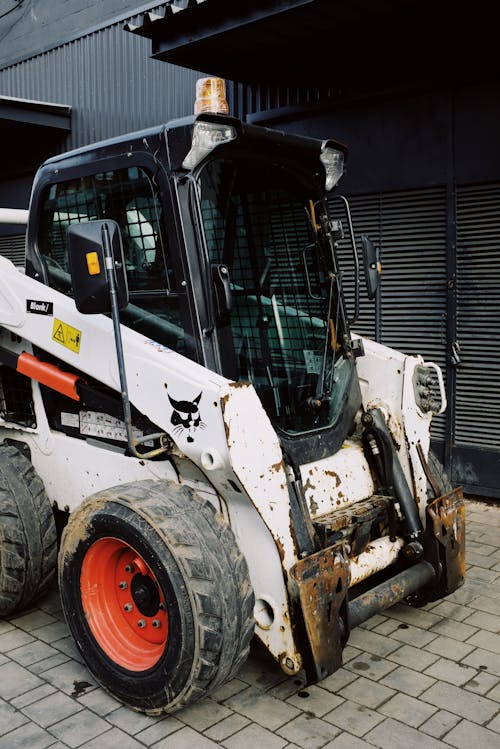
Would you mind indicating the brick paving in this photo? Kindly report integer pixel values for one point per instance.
(412, 678)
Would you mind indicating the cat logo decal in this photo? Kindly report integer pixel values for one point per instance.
(186, 416)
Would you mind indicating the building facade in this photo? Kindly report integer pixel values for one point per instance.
(392, 80)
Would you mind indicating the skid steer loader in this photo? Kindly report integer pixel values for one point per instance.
(186, 416)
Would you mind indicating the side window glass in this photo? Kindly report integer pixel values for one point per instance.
(157, 309)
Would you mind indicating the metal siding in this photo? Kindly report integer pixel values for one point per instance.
(13, 248)
(409, 227)
(109, 81)
(478, 316)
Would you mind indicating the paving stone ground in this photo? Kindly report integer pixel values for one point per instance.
(412, 679)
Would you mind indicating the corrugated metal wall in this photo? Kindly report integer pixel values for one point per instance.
(409, 227)
(110, 82)
(478, 315)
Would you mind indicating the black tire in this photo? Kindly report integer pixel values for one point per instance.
(28, 538)
(195, 573)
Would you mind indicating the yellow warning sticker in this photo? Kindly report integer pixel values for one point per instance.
(66, 335)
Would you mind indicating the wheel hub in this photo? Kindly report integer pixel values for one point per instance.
(145, 594)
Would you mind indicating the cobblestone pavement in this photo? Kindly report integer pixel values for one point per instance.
(412, 678)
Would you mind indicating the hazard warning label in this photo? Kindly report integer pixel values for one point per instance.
(66, 335)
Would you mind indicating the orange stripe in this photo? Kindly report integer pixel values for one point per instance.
(48, 374)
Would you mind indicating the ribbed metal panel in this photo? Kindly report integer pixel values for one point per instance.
(409, 227)
(478, 315)
(13, 248)
(110, 82)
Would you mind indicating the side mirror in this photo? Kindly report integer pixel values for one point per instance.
(372, 266)
(95, 252)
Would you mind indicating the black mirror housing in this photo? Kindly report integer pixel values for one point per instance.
(95, 251)
(371, 265)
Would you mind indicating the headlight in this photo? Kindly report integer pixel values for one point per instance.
(206, 137)
(333, 161)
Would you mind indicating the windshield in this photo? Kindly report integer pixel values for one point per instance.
(284, 333)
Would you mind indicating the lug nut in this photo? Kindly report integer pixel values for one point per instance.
(156, 623)
(162, 607)
(128, 568)
(128, 607)
(122, 585)
(141, 623)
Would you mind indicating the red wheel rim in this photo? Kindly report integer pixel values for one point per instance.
(123, 604)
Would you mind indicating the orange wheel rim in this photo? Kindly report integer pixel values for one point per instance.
(123, 604)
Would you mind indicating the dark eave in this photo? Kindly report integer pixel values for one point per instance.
(15, 112)
(346, 44)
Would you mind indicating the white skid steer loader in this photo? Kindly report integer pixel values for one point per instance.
(186, 416)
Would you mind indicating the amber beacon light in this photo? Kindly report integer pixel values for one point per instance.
(211, 96)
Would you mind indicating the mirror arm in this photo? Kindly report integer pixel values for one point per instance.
(355, 316)
(115, 316)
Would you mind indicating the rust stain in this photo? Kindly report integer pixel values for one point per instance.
(239, 384)
(308, 486)
(313, 506)
(277, 467)
(335, 476)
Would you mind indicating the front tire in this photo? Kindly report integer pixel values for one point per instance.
(156, 594)
(28, 538)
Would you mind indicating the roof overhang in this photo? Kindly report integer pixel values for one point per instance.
(40, 114)
(345, 44)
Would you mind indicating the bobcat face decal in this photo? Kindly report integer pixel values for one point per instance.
(186, 416)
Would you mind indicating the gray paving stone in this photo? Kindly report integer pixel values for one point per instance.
(338, 680)
(372, 666)
(466, 735)
(487, 641)
(482, 574)
(484, 660)
(67, 675)
(412, 635)
(482, 683)
(467, 705)
(451, 610)
(227, 727)
(347, 741)
(455, 673)
(482, 603)
(448, 647)
(28, 736)
(99, 701)
(407, 709)
(51, 709)
(408, 681)
(315, 700)
(33, 620)
(31, 653)
(371, 642)
(414, 617)
(79, 728)
(33, 695)
(14, 638)
(386, 627)
(288, 688)
(165, 727)
(484, 621)
(456, 630)
(186, 738)
(263, 709)
(15, 680)
(309, 732)
(263, 673)
(129, 720)
(113, 739)
(227, 690)
(355, 718)
(203, 714)
(412, 657)
(10, 718)
(440, 723)
(52, 632)
(367, 693)
(5, 626)
(249, 738)
(41, 666)
(391, 734)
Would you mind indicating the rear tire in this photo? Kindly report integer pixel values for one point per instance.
(28, 538)
(156, 594)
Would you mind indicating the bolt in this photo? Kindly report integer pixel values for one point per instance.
(141, 623)
(128, 568)
(123, 585)
(128, 607)
(156, 623)
(162, 607)
(289, 664)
